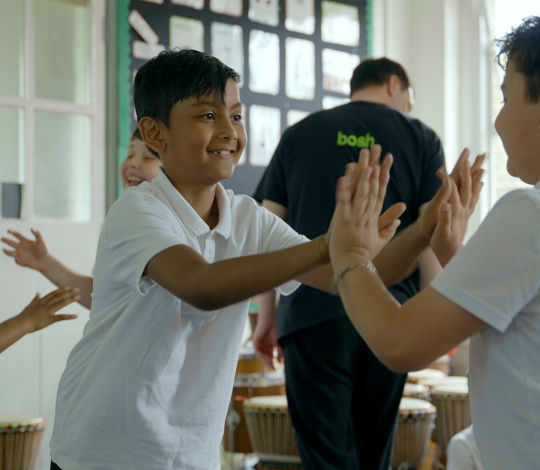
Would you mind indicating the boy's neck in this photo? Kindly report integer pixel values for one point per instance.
(202, 198)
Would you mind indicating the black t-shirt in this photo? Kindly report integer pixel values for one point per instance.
(303, 174)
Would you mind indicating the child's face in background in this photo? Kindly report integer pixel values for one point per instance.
(140, 165)
(518, 124)
(205, 138)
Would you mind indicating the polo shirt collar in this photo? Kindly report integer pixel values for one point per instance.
(189, 217)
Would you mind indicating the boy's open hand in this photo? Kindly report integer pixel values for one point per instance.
(454, 215)
(26, 252)
(356, 235)
(40, 313)
(371, 158)
(468, 183)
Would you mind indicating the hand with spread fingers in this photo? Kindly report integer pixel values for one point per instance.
(371, 158)
(39, 314)
(468, 184)
(27, 253)
(356, 234)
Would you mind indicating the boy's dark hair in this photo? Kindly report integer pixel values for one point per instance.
(175, 76)
(522, 47)
(375, 72)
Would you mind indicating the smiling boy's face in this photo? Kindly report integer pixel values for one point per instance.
(518, 125)
(205, 138)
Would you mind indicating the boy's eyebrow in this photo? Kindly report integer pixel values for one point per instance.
(214, 103)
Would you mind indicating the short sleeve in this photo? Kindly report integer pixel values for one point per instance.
(434, 159)
(497, 273)
(278, 235)
(137, 229)
(273, 185)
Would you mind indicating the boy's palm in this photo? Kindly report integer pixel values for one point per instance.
(40, 313)
(26, 252)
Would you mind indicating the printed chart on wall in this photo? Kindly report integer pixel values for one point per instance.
(296, 57)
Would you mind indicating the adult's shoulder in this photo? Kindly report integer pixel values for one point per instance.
(427, 132)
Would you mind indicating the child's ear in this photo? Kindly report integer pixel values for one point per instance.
(150, 131)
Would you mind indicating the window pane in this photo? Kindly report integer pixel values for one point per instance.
(62, 167)
(63, 50)
(12, 50)
(12, 153)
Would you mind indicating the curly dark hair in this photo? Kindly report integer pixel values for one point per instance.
(522, 48)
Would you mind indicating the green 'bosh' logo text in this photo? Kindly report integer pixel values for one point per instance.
(361, 141)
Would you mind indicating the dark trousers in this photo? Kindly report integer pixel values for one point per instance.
(54, 466)
(342, 400)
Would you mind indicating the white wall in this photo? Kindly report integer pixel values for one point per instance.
(443, 47)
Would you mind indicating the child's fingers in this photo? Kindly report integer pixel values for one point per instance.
(38, 236)
(373, 195)
(361, 196)
(11, 243)
(18, 236)
(391, 215)
(444, 192)
(363, 159)
(375, 155)
(9, 253)
(36, 297)
(443, 229)
(343, 198)
(58, 294)
(63, 317)
(388, 233)
(476, 190)
(454, 199)
(478, 162)
(456, 172)
(62, 302)
(384, 179)
(465, 190)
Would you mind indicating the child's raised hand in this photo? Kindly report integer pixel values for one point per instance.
(454, 215)
(26, 252)
(468, 182)
(40, 313)
(356, 236)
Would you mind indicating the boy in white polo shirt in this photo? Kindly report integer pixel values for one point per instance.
(490, 290)
(148, 385)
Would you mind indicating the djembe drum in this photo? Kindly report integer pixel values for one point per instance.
(418, 391)
(236, 438)
(418, 376)
(272, 433)
(414, 428)
(20, 440)
(453, 412)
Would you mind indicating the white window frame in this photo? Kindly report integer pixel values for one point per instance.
(95, 111)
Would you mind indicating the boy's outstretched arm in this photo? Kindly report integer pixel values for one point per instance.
(187, 275)
(39, 314)
(33, 254)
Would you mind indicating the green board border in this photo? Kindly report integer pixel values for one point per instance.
(124, 86)
(124, 77)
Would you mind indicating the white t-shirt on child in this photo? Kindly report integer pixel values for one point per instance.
(148, 386)
(463, 452)
(496, 277)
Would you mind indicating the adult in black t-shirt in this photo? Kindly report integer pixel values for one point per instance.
(342, 400)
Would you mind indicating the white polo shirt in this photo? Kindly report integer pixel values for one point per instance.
(148, 386)
(496, 277)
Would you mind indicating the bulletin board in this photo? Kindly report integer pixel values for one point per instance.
(296, 57)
